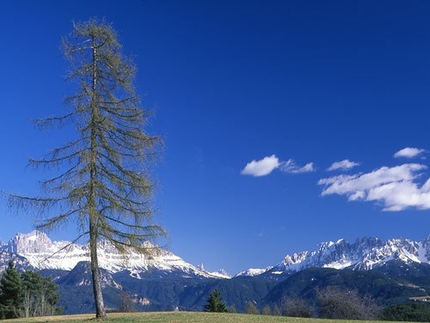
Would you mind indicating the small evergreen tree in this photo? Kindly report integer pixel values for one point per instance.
(10, 293)
(215, 303)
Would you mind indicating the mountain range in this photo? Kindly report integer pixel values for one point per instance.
(163, 281)
(41, 253)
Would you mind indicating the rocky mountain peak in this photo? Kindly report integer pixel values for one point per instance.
(33, 242)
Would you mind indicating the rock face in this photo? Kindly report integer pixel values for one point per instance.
(34, 242)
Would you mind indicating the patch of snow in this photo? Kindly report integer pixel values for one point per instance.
(422, 253)
(252, 272)
(338, 264)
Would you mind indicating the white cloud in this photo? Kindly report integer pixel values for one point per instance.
(266, 165)
(409, 152)
(342, 165)
(394, 187)
(261, 167)
(290, 166)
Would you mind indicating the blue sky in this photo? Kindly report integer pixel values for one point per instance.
(286, 123)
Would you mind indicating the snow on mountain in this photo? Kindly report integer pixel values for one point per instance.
(33, 242)
(253, 272)
(221, 274)
(363, 254)
(42, 253)
(36, 250)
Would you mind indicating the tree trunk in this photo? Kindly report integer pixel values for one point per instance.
(26, 303)
(95, 273)
(92, 209)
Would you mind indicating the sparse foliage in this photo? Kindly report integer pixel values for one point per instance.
(232, 309)
(103, 180)
(346, 304)
(276, 310)
(298, 307)
(215, 303)
(266, 310)
(250, 308)
(126, 304)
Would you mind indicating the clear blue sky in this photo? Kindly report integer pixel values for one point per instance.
(285, 122)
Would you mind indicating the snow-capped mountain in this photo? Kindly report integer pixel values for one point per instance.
(42, 253)
(363, 254)
(36, 250)
(253, 272)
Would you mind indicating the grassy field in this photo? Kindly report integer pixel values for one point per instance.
(181, 317)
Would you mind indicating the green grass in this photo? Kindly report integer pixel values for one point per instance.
(180, 317)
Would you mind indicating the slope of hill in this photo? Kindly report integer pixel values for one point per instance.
(306, 283)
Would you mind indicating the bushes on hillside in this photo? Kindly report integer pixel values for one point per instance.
(406, 312)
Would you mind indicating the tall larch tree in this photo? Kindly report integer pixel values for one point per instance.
(103, 177)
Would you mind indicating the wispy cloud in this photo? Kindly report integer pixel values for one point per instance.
(266, 165)
(394, 187)
(345, 164)
(261, 167)
(290, 166)
(409, 152)
(261, 234)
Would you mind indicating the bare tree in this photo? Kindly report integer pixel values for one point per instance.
(250, 308)
(346, 304)
(298, 307)
(103, 177)
(266, 310)
(126, 304)
(276, 310)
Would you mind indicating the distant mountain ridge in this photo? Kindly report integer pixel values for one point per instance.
(36, 250)
(363, 254)
(41, 253)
